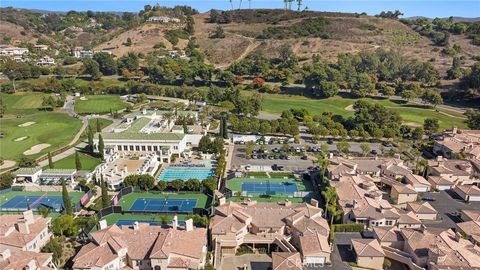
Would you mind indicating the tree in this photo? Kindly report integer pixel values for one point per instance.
(417, 133)
(408, 95)
(249, 149)
(146, 181)
(387, 264)
(92, 68)
(432, 96)
(106, 63)
(178, 184)
(78, 162)
(90, 139)
(65, 225)
(54, 246)
(218, 33)
(50, 161)
(3, 107)
(98, 125)
(193, 184)
(225, 127)
(473, 118)
(101, 145)
(210, 183)
(388, 91)
(6, 180)
(343, 147)
(15, 71)
(365, 148)
(27, 162)
(430, 126)
(105, 197)
(67, 203)
(162, 185)
(190, 25)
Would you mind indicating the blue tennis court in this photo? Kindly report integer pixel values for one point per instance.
(269, 187)
(19, 202)
(163, 205)
(185, 174)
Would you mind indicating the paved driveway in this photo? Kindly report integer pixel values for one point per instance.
(448, 206)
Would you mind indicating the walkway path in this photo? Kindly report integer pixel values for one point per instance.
(229, 158)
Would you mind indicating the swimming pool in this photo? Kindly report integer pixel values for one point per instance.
(170, 173)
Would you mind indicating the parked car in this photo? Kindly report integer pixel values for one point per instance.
(329, 141)
(428, 199)
(304, 157)
(374, 152)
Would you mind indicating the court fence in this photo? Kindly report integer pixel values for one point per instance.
(124, 191)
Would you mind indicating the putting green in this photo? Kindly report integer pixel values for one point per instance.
(99, 104)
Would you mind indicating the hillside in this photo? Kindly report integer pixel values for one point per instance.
(344, 33)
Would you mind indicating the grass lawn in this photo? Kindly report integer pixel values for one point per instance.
(92, 122)
(99, 104)
(127, 201)
(4, 197)
(22, 102)
(235, 185)
(56, 129)
(88, 162)
(410, 112)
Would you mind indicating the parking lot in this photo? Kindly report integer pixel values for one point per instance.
(448, 206)
(293, 163)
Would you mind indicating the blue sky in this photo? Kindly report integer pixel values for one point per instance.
(428, 8)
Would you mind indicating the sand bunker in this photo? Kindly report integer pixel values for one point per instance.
(350, 108)
(36, 149)
(19, 139)
(83, 98)
(7, 164)
(26, 124)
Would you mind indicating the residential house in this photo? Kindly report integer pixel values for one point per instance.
(23, 260)
(286, 261)
(456, 171)
(400, 193)
(41, 47)
(340, 166)
(6, 50)
(362, 202)
(368, 253)
(458, 141)
(46, 61)
(440, 183)
(470, 215)
(79, 52)
(315, 249)
(143, 246)
(286, 225)
(471, 230)
(24, 232)
(389, 237)
(423, 210)
(163, 19)
(408, 219)
(468, 193)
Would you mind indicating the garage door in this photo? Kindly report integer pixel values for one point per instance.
(474, 198)
(315, 260)
(421, 189)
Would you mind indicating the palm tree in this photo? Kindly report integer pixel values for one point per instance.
(231, 3)
(169, 116)
(299, 4)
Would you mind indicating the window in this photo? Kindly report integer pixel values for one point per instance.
(175, 147)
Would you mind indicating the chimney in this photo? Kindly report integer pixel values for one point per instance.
(423, 229)
(22, 227)
(125, 168)
(454, 130)
(175, 222)
(314, 202)
(102, 224)
(382, 210)
(330, 155)
(136, 226)
(222, 201)
(189, 225)
(5, 254)
(28, 216)
(354, 204)
(115, 169)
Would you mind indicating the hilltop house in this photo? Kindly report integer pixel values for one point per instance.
(458, 141)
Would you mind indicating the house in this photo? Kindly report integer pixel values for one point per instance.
(5, 50)
(163, 19)
(28, 175)
(419, 183)
(362, 202)
(459, 172)
(21, 260)
(143, 246)
(24, 232)
(285, 225)
(440, 183)
(408, 219)
(46, 61)
(340, 166)
(458, 141)
(41, 47)
(286, 261)
(470, 229)
(440, 249)
(423, 210)
(79, 52)
(470, 215)
(468, 193)
(389, 237)
(368, 253)
(399, 193)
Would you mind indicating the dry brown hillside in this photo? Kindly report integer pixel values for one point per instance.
(346, 34)
(143, 37)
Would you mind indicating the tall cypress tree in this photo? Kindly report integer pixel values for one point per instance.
(105, 198)
(78, 163)
(67, 203)
(99, 127)
(220, 129)
(101, 145)
(90, 139)
(225, 128)
(50, 161)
